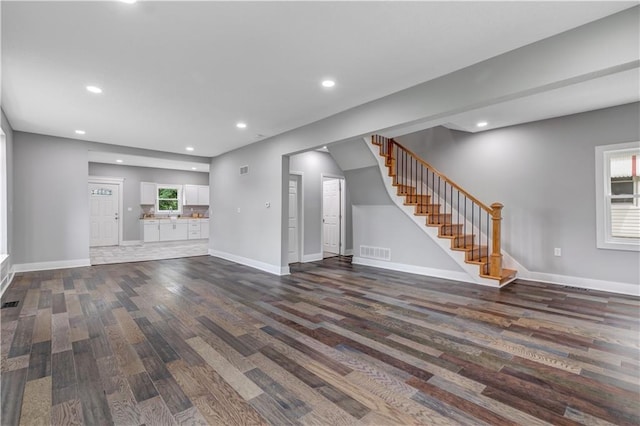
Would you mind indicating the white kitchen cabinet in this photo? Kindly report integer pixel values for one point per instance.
(194, 229)
(198, 229)
(203, 195)
(196, 195)
(150, 231)
(147, 193)
(174, 230)
(204, 228)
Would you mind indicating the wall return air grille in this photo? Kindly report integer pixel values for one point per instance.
(379, 253)
(244, 170)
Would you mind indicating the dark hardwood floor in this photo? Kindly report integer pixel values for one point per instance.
(205, 341)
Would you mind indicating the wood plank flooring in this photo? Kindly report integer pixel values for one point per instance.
(203, 341)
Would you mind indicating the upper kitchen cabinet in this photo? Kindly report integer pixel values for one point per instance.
(196, 195)
(148, 193)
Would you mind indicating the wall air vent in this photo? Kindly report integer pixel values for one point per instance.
(244, 170)
(379, 253)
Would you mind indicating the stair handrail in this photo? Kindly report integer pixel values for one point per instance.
(495, 210)
(444, 177)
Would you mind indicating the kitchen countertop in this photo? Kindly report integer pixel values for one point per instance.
(166, 218)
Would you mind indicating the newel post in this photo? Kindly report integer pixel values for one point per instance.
(495, 260)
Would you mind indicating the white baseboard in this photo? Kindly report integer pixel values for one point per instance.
(580, 282)
(314, 257)
(413, 269)
(131, 243)
(44, 266)
(266, 267)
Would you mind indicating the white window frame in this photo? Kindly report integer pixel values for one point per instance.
(603, 199)
(169, 186)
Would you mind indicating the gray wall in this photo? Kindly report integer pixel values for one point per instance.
(366, 187)
(378, 222)
(544, 174)
(313, 164)
(242, 226)
(257, 233)
(388, 227)
(51, 221)
(51, 206)
(6, 127)
(132, 178)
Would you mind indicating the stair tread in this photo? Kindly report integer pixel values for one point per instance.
(506, 276)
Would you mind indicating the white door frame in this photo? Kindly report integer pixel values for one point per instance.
(113, 181)
(299, 176)
(324, 177)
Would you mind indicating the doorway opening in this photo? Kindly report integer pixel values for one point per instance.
(333, 217)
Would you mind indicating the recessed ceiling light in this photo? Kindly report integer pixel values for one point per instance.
(129, 1)
(118, 161)
(80, 132)
(324, 147)
(241, 125)
(328, 83)
(481, 123)
(189, 148)
(194, 168)
(94, 89)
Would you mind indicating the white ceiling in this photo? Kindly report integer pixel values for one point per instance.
(179, 74)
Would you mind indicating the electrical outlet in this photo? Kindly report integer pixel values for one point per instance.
(238, 209)
(557, 251)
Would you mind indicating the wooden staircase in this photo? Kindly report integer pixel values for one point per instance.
(471, 226)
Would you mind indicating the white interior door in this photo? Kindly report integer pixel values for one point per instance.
(103, 207)
(331, 216)
(294, 251)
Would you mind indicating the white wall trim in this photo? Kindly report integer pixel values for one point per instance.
(56, 264)
(314, 257)
(131, 243)
(300, 213)
(580, 282)
(266, 267)
(418, 270)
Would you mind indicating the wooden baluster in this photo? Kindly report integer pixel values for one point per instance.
(495, 260)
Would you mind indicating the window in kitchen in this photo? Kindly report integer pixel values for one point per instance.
(618, 196)
(169, 199)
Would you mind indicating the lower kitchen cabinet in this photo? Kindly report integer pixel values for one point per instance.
(198, 229)
(172, 231)
(204, 228)
(183, 229)
(151, 231)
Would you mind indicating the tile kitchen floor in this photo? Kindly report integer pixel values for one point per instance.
(148, 251)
